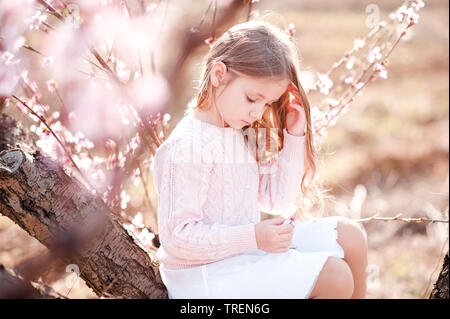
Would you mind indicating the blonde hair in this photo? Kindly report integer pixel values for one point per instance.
(261, 50)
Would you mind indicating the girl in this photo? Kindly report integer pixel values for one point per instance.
(213, 176)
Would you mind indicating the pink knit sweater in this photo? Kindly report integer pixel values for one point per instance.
(210, 194)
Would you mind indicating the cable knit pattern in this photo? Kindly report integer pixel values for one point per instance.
(210, 194)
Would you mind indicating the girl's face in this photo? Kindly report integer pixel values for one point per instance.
(245, 99)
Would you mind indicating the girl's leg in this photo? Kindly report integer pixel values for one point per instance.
(335, 281)
(354, 242)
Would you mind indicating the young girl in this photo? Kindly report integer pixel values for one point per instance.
(213, 178)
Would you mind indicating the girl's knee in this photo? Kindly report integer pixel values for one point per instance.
(352, 237)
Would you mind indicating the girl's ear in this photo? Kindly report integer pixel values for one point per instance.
(218, 73)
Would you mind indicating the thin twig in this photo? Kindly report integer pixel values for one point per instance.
(397, 217)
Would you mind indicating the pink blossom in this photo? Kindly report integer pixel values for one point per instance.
(324, 83)
(401, 13)
(83, 161)
(51, 85)
(349, 80)
(133, 144)
(115, 161)
(146, 237)
(166, 119)
(374, 54)
(316, 115)
(124, 199)
(350, 62)
(138, 220)
(47, 60)
(417, 4)
(412, 17)
(111, 145)
(136, 177)
(73, 117)
(380, 70)
(332, 102)
(50, 147)
(332, 117)
(210, 41)
(36, 20)
(358, 44)
(291, 29)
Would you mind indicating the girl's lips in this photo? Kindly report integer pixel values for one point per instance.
(247, 123)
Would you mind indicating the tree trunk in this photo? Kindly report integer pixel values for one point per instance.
(440, 290)
(74, 224)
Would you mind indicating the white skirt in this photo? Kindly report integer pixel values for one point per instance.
(260, 274)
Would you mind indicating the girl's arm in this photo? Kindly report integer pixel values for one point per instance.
(279, 182)
(182, 184)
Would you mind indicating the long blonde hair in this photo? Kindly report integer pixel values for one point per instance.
(261, 50)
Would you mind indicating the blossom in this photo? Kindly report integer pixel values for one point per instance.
(146, 237)
(124, 199)
(291, 29)
(166, 119)
(358, 44)
(51, 85)
(350, 62)
(36, 20)
(380, 70)
(332, 117)
(412, 17)
(316, 115)
(82, 161)
(417, 4)
(210, 41)
(138, 220)
(324, 83)
(401, 13)
(47, 60)
(349, 80)
(332, 102)
(374, 54)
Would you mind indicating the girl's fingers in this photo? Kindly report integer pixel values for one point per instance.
(287, 236)
(286, 229)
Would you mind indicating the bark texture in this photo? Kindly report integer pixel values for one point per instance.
(440, 290)
(76, 225)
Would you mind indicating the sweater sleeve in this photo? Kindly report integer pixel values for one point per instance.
(182, 193)
(279, 182)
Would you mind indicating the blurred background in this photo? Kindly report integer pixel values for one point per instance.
(388, 154)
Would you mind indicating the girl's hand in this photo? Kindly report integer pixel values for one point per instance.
(295, 115)
(272, 236)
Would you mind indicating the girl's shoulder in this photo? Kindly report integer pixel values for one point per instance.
(188, 142)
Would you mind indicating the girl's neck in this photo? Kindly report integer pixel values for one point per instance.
(210, 118)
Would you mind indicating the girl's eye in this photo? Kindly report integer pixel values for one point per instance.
(251, 101)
